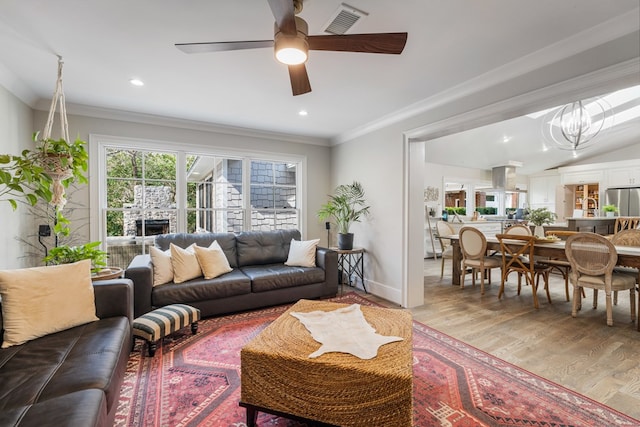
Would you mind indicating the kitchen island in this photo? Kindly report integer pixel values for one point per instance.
(600, 225)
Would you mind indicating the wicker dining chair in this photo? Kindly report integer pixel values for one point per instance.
(474, 255)
(444, 229)
(517, 257)
(593, 258)
(627, 238)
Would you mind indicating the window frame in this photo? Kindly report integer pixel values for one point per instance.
(98, 145)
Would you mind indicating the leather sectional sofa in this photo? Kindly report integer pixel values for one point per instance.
(259, 277)
(73, 377)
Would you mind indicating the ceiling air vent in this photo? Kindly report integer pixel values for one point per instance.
(343, 19)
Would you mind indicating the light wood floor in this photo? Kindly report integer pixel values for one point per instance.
(582, 354)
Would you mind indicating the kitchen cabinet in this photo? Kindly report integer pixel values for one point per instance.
(623, 177)
(582, 177)
(542, 190)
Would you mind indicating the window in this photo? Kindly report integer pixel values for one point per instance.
(214, 194)
(148, 190)
(273, 196)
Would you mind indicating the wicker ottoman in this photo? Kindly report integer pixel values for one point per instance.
(278, 377)
(159, 323)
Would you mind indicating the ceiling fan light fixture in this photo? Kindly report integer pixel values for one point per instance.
(292, 49)
(291, 55)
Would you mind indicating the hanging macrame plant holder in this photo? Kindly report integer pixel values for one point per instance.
(58, 166)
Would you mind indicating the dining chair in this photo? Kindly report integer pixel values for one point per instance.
(593, 258)
(444, 229)
(561, 265)
(473, 245)
(517, 257)
(629, 237)
(519, 229)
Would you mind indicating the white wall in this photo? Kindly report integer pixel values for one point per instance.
(377, 158)
(318, 161)
(16, 126)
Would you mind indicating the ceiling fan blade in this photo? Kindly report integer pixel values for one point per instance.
(392, 43)
(222, 46)
(299, 79)
(283, 11)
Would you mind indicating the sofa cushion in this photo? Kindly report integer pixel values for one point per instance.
(185, 263)
(162, 266)
(277, 276)
(302, 253)
(81, 358)
(86, 408)
(42, 300)
(212, 260)
(227, 242)
(227, 285)
(264, 247)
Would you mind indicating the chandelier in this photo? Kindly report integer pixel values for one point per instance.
(575, 125)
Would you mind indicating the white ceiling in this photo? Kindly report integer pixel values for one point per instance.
(106, 43)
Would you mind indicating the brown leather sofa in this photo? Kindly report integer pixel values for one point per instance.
(73, 377)
(259, 277)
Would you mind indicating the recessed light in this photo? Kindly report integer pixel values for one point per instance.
(303, 113)
(136, 82)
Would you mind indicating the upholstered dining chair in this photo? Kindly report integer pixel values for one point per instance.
(627, 238)
(444, 229)
(474, 255)
(518, 229)
(593, 258)
(517, 257)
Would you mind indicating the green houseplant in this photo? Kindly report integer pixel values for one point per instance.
(346, 206)
(610, 210)
(539, 217)
(64, 254)
(43, 174)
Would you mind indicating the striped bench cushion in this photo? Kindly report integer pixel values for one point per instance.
(163, 321)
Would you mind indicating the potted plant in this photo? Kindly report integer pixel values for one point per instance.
(43, 174)
(346, 206)
(610, 210)
(64, 254)
(540, 217)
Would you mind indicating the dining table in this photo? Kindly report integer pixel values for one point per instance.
(628, 256)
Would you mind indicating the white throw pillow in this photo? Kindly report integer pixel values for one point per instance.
(185, 263)
(302, 253)
(162, 267)
(42, 300)
(213, 261)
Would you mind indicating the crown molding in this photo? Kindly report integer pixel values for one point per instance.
(595, 36)
(16, 86)
(151, 119)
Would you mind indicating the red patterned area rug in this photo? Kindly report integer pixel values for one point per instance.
(194, 380)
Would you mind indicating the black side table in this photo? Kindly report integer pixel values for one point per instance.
(351, 262)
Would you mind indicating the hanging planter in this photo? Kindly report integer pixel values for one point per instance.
(45, 172)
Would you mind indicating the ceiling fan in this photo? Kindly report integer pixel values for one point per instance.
(292, 44)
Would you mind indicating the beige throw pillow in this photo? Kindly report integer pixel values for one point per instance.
(302, 253)
(185, 263)
(162, 267)
(213, 261)
(42, 300)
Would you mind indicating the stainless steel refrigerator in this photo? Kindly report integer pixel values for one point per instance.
(626, 199)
